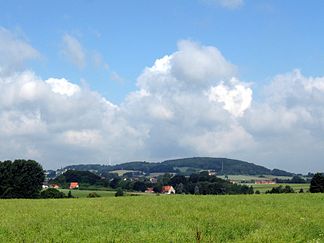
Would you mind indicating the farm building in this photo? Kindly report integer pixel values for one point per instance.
(149, 190)
(74, 185)
(265, 182)
(168, 190)
(56, 186)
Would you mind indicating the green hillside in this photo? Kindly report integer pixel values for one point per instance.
(188, 165)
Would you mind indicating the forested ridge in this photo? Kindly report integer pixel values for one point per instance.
(187, 166)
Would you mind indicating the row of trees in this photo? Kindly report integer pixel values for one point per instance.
(197, 183)
(24, 179)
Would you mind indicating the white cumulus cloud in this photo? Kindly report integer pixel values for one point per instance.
(62, 86)
(188, 103)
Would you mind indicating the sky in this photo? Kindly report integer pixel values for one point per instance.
(114, 81)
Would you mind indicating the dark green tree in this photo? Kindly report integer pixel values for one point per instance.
(317, 183)
(119, 193)
(179, 188)
(197, 190)
(21, 179)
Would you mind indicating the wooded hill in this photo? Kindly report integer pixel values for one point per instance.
(186, 166)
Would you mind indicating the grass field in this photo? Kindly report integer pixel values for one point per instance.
(264, 187)
(249, 177)
(85, 193)
(241, 218)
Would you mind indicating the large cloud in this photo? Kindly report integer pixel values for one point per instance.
(188, 103)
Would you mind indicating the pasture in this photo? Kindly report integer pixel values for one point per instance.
(176, 218)
(265, 187)
(85, 193)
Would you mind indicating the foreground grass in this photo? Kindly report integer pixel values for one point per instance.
(241, 218)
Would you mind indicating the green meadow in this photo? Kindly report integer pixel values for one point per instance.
(265, 187)
(85, 193)
(174, 218)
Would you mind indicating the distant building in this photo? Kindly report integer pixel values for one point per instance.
(74, 185)
(211, 172)
(153, 180)
(149, 190)
(45, 186)
(265, 182)
(56, 186)
(168, 190)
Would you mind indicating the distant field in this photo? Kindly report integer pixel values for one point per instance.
(177, 218)
(264, 187)
(249, 177)
(121, 172)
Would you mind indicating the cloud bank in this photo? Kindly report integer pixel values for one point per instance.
(188, 103)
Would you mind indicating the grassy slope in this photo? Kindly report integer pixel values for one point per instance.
(242, 218)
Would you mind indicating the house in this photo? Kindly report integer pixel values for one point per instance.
(212, 172)
(149, 190)
(74, 185)
(56, 186)
(168, 190)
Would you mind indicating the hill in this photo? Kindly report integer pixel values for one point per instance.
(186, 166)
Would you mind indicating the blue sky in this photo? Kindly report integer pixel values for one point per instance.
(263, 38)
(114, 81)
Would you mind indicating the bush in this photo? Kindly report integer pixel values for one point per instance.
(119, 193)
(52, 193)
(70, 195)
(93, 194)
(281, 189)
(257, 192)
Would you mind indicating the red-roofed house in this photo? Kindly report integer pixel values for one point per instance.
(149, 190)
(168, 190)
(74, 185)
(56, 186)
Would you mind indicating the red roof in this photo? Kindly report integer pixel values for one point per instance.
(74, 185)
(149, 189)
(166, 188)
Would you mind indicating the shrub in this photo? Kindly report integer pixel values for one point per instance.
(281, 189)
(119, 193)
(93, 194)
(257, 192)
(52, 193)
